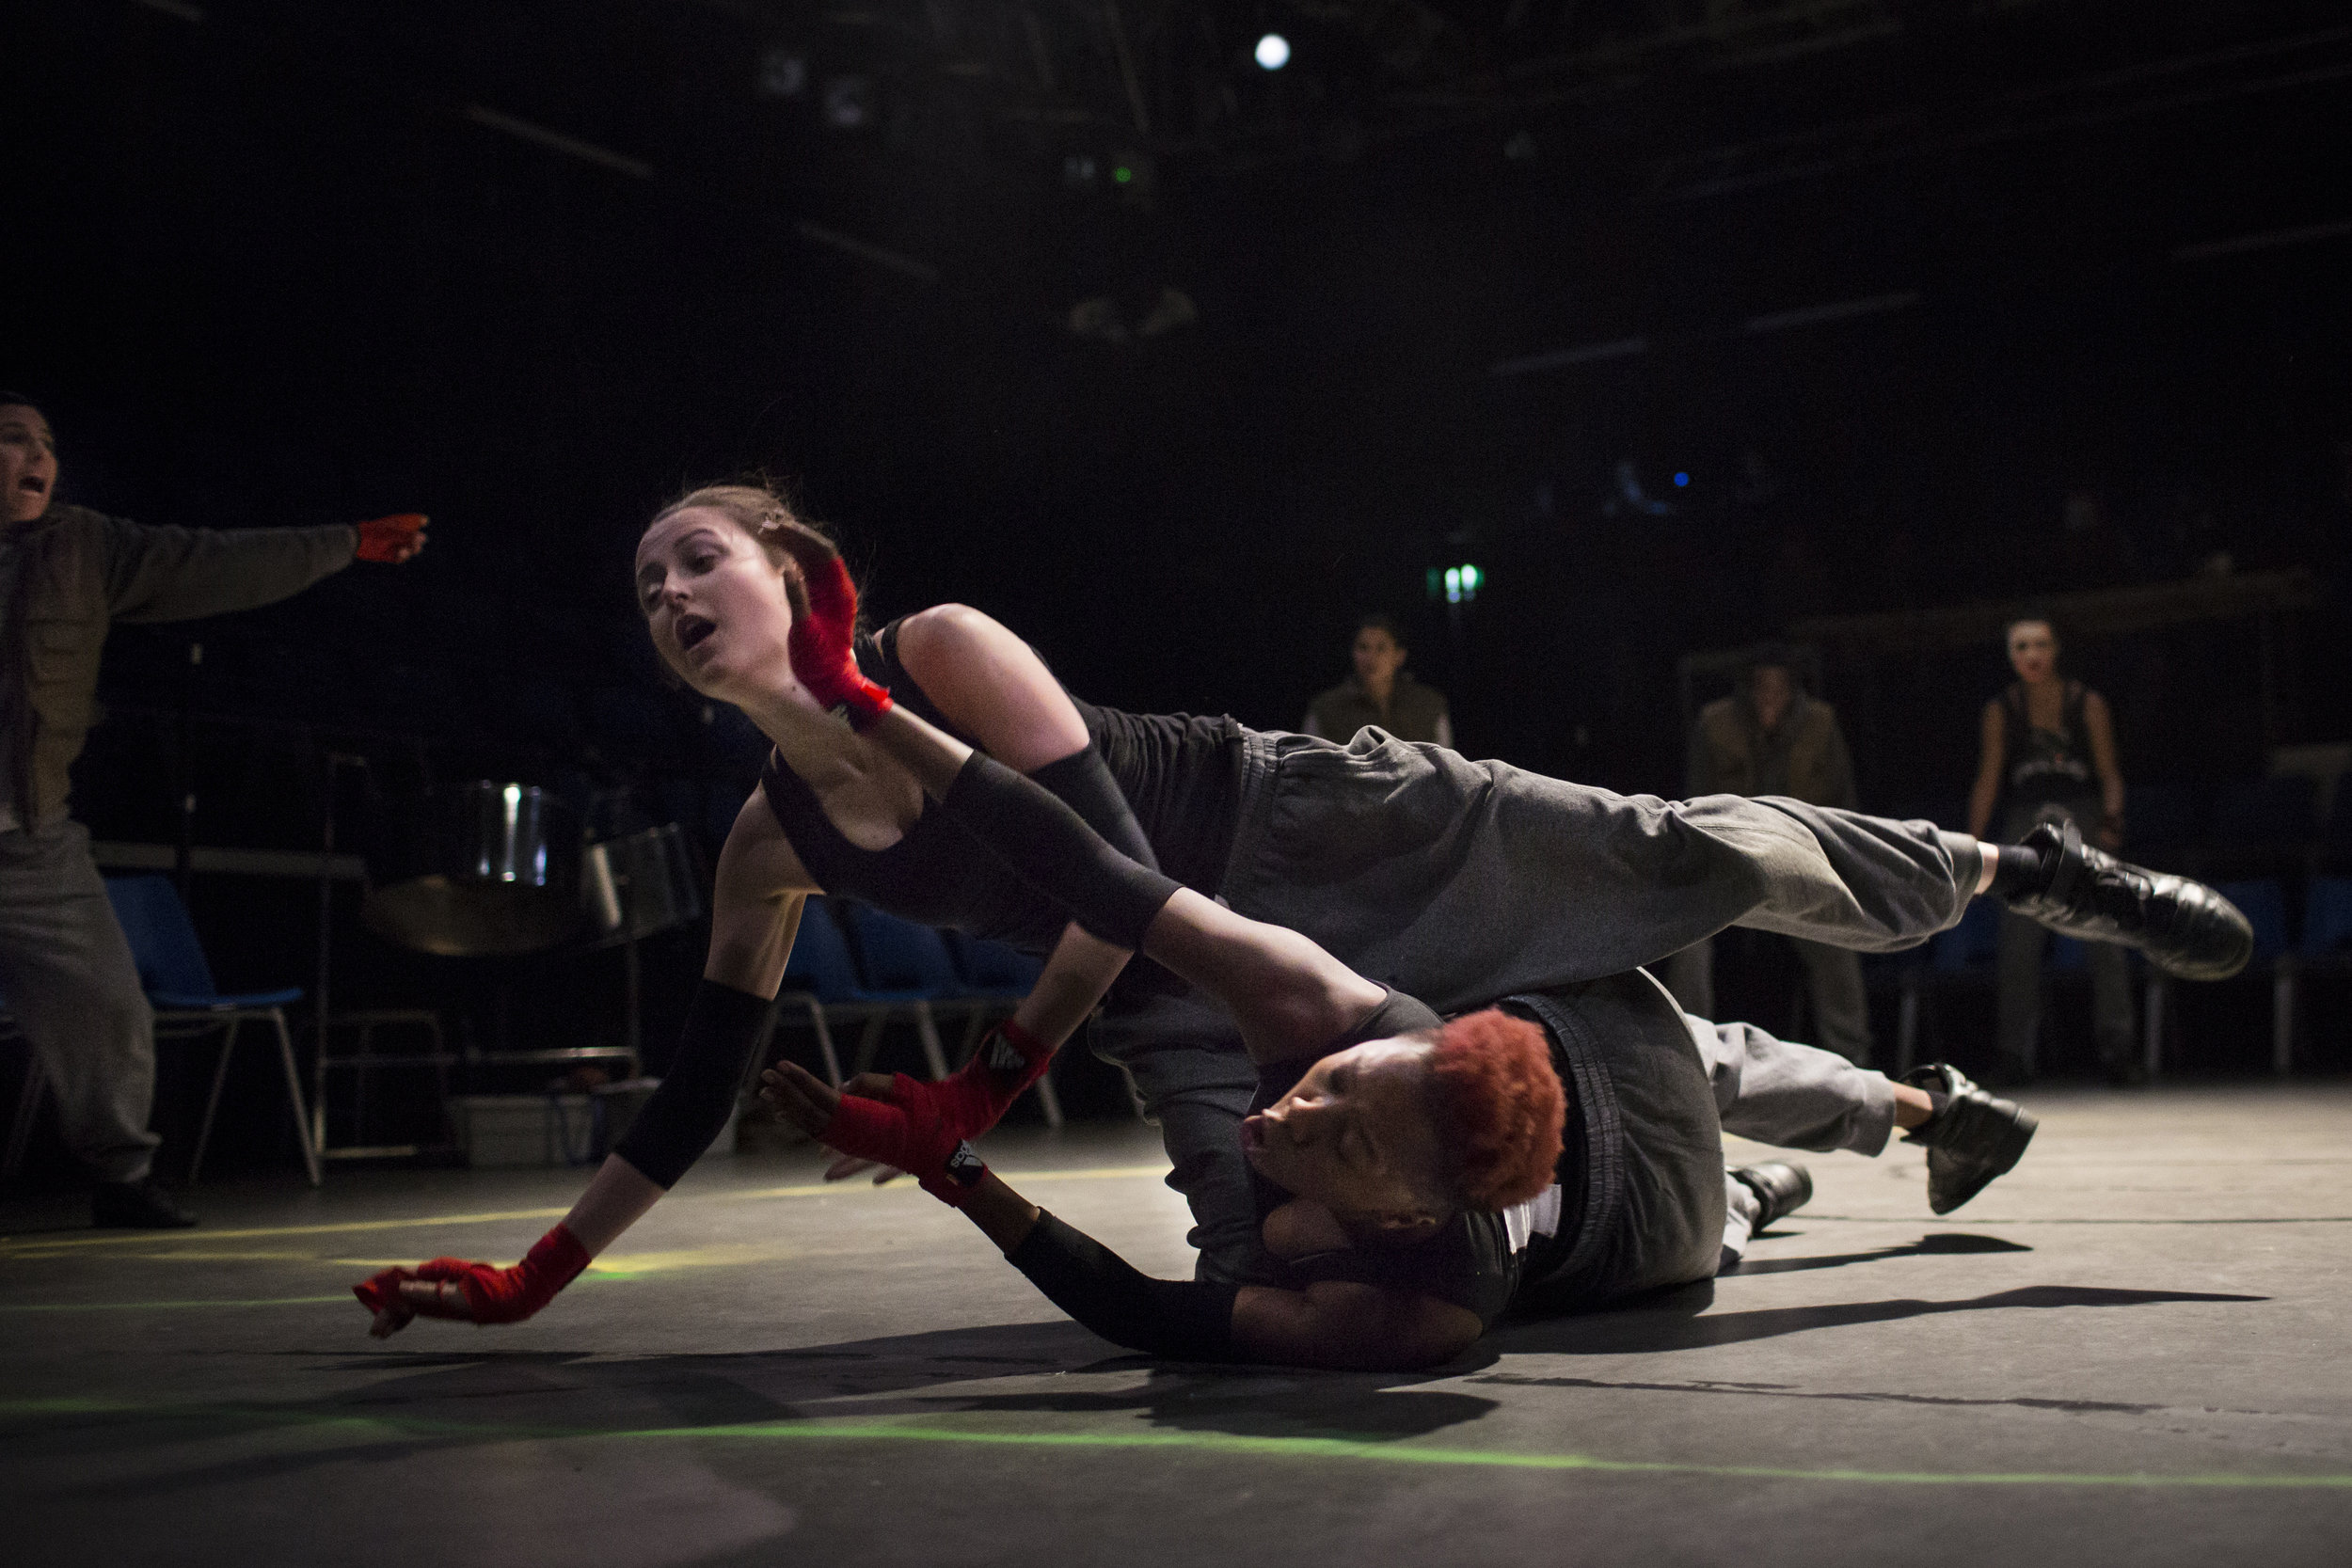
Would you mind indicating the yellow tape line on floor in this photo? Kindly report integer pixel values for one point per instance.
(26, 1245)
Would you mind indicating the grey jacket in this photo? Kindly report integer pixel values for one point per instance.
(80, 571)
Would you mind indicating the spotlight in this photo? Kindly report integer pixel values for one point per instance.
(1274, 51)
(1682, 480)
(1455, 584)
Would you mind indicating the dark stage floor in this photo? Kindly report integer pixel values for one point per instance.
(2133, 1350)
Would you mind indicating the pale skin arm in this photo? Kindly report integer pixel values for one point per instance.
(756, 912)
(1992, 756)
(992, 684)
(2099, 720)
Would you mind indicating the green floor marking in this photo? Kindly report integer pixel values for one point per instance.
(160, 1306)
(856, 1430)
(1397, 1453)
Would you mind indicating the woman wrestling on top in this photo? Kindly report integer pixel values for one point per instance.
(1459, 882)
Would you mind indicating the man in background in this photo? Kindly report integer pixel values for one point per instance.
(1382, 692)
(67, 574)
(1771, 738)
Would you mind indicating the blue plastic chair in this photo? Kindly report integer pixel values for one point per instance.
(822, 978)
(178, 980)
(992, 968)
(2327, 917)
(911, 964)
(2264, 902)
(179, 983)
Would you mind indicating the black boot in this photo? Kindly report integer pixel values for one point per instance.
(139, 1205)
(1782, 1189)
(1973, 1139)
(2187, 930)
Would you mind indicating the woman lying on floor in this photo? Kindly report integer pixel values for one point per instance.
(1451, 879)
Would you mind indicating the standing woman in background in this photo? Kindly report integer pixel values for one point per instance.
(2048, 757)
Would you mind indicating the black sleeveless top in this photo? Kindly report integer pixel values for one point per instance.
(2047, 767)
(1181, 774)
(1476, 1260)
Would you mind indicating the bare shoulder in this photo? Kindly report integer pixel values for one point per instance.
(932, 639)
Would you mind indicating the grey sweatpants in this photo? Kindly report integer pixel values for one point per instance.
(1793, 1096)
(1832, 984)
(1461, 882)
(67, 975)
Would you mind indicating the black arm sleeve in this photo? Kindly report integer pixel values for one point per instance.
(1050, 846)
(1182, 1319)
(1081, 781)
(722, 1028)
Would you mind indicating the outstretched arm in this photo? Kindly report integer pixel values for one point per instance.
(756, 912)
(1334, 1324)
(1289, 996)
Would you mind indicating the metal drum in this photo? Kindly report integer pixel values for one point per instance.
(639, 884)
(482, 870)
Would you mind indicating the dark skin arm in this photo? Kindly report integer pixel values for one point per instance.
(1333, 1323)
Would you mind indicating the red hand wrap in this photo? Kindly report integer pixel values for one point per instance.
(494, 1295)
(387, 539)
(976, 1097)
(823, 644)
(909, 1133)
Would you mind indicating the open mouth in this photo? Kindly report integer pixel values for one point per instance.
(694, 631)
(35, 483)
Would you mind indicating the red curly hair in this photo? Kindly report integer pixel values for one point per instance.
(1500, 1106)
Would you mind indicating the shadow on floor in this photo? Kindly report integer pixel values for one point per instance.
(1671, 1324)
(1943, 1243)
(439, 1399)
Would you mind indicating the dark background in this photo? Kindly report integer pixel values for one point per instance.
(272, 263)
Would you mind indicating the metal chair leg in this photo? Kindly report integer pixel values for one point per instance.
(824, 1041)
(27, 1113)
(294, 1094)
(1048, 1099)
(870, 1043)
(2282, 1017)
(1907, 1028)
(2153, 1060)
(926, 1029)
(211, 1102)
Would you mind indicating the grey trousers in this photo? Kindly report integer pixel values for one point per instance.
(1791, 1096)
(1832, 984)
(1461, 882)
(67, 975)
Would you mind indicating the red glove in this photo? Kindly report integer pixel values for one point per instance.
(908, 1132)
(976, 1097)
(392, 540)
(493, 1295)
(823, 643)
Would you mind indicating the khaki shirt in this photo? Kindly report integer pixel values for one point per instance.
(1730, 754)
(77, 573)
(1415, 712)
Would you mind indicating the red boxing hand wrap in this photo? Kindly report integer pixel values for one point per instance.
(909, 1133)
(494, 1295)
(389, 540)
(975, 1097)
(823, 644)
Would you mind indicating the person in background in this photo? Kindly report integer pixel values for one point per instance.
(2048, 757)
(1382, 692)
(67, 574)
(1771, 738)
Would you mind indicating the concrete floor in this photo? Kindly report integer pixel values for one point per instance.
(2132, 1350)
